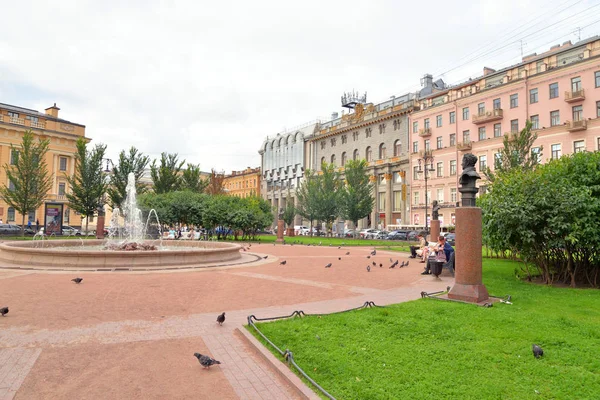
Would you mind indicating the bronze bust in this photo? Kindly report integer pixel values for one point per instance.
(468, 179)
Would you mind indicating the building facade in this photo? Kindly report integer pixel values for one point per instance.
(243, 183)
(282, 164)
(558, 91)
(63, 135)
(378, 134)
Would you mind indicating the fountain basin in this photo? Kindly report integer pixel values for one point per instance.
(51, 254)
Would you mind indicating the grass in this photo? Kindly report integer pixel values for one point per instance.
(326, 241)
(432, 349)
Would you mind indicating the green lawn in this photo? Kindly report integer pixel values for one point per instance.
(326, 241)
(433, 349)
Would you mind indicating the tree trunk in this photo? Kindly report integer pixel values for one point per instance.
(22, 225)
(87, 222)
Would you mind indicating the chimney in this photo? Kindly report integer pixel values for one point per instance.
(427, 80)
(334, 115)
(52, 111)
(487, 71)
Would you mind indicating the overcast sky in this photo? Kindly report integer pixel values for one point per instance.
(211, 80)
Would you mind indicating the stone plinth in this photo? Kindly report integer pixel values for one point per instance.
(280, 225)
(468, 284)
(100, 227)
(435, 230)
(290, 232)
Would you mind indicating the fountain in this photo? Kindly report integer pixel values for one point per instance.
(126, 248)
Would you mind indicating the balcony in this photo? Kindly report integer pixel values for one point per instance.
(488, 116)
(57, 197)
(425, 132)
(15, 120)
(575, 126)
(574, 96)
(40, 125)
(464, 146)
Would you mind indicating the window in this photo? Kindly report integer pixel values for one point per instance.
(465, 112)
(497, 104)
(598, 109)
(14, 157)
(535, 121)
(497, 130)
(577, 113)
(11, 215)
(553, 90)
(397, 204)
(397, 148)
(11, 185)
(355, 136)
(426, 123)
(514, 100)
(579, 146)
(381, 128)
(427, 148)
(415, 147)
(452, 167)
(575, 84)
(440, 169)
(533, 96)
(381, 201)
(333, 140)
(333, 159)
(482, 162)
(415, 173)
(597, 75)
(13, 114)
(65, 218)
(539, 66)
(397, 177)
(369, 154)
(322, 144)
(355, 154)
(453, 139)
(440, 195)
(63, 163)
(438, 121)
(31, 216)
(368, 132)
(382, 179)
(453, 114)
(466, 136)
(322, 162)
(482, 133)
(514, 125)
(344, 139)
(556, 151)
(554, 118)
(343, 158)
(481, 108)
(439, 142)
(33, 119)
(416, 127)
(453, 195)
(397, 124)
(415, 198)
(498, 159)
(382, 151)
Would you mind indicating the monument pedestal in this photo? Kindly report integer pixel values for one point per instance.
(435, 230)
(100, 227)
(468, 284)
(290, 232)
(280, 225)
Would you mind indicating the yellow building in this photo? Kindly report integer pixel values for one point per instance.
(243, 183)
(63, 135)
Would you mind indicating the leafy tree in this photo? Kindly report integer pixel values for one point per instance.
(87, 184)
(515, 153)
(357, 194)
(289, 212)
(29, 177)
(135, 162)
(192, 180)
(215, 183)
(329, 194)
(307, 196)
(166, 177)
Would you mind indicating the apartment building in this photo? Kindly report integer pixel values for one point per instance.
(243, 183)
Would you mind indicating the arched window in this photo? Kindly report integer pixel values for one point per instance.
(343, 159)
(280, 142)
(333, 159)
(355, 155)
(11, 214)
(382, 151)
(322, 162)
(397, 148)
(369, 154)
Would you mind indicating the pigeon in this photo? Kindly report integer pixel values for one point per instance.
(374, 252)
(448, 288)
(265, 257)
(537, 351)
(206, 361)
(391, 260)
(401, 265)
(406, 265)
(339, 247)
(488, 305)
(283, 262)
(380, 265)
(347, 253)
(368, 268)
(368, 256)
(77, 280)
(221, 319)
(340, 258)
(4, 310)
(374, 264)
(393, 265)
(328, 265)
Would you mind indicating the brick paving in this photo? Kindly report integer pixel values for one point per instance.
(301, 285)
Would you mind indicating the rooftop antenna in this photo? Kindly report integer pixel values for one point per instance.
(352, 99)
(578, 30)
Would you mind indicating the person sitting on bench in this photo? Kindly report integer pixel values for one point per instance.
(440, 254)
(418, 250)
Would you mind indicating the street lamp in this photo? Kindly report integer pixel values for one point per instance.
(107, 169)
(426, 166)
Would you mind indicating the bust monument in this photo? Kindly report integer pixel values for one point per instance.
(468, 179)
(435, 211)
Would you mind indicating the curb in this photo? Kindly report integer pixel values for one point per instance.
(276, 365)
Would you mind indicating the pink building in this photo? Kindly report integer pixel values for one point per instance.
(559, 91)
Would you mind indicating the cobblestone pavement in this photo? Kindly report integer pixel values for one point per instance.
(97, 339)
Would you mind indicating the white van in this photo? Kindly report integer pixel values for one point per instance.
(301, 230)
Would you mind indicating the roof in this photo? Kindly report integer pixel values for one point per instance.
(36, 113)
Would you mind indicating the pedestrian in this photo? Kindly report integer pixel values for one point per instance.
(29, 224)
(37, 225)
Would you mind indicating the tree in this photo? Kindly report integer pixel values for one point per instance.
(29, 178)
(87, 184)
(192, 180)
(289, 212)
(167, 176)
(328, 203)
(134, 162)
(307, 196)
(215, 183)
(356, 197)
(515, 153)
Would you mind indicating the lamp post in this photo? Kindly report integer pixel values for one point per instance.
(426, 166)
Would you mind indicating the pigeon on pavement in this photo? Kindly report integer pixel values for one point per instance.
(221, 319)
(339, 258)
(77, 280)
(374, 252)
(4, 310)
(206, 361)
(391, 260)
(368, 256)
(347, 253)
(328, 265)
(283, 262)
(265, 257)
(374, 264)
(368, 268)
(401, 265)
(406, 265)
(537, 351)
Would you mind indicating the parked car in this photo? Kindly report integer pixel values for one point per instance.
(372, 233)
(397, 235)
(9, 229)
(451, 239)
(412, 236)
(70, 231)
(350, 233)
(366, 232)
(382, 235)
